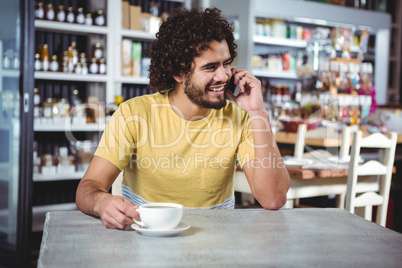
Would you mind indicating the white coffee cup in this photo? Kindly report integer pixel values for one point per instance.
(160, 216)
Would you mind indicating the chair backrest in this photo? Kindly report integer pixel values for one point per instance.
(382, 168)
(116, 186)
(346, 134)
(344, 148)
(299, 144)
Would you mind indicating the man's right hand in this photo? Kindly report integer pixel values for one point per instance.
(117, 212)
(93, 196)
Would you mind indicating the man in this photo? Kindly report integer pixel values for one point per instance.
(183, 143)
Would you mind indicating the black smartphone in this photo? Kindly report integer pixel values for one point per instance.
(235, 89)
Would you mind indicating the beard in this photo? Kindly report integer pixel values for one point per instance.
(199, 96)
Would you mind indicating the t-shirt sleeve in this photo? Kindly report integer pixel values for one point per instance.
(245, 151)
(118, 140)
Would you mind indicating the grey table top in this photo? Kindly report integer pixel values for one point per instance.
(237, 237)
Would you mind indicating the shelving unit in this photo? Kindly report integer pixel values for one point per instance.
(395, 53)
(96, 85)
(312, 13)
(112, 82)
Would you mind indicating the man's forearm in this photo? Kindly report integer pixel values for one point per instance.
(89, 196)
(270, 178)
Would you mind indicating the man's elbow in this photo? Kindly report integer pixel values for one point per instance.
(274, 203)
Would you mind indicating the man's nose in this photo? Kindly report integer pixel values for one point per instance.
(221, 74)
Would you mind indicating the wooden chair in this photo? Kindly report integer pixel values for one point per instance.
(116, 186)
(382, 168)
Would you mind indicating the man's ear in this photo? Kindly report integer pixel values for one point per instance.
(178, 78)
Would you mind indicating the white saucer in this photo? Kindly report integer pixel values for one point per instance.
(152, 232)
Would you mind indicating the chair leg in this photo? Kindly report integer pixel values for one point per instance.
(368, 213)
(381, 218)
(340, 200)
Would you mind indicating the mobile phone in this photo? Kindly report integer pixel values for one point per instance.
(235, 89)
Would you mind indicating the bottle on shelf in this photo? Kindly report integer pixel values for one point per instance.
(74, 52)
(100, 18)
(97, 51)
(6, 61)
(64, 108)
(37, 102)
(47, 111)
(285, 94)
(298, 92)
(88, 19)
(16, 61)
(50, 14)
(70, 64)
(75, 100)
(78, 68)
(47, 165)
(64, 67)
(80, 18)
(93, 67)
(78, 111)
(102, 66)
(38, 63)
(84, 68)
(40, 12)
(61, 14)
(54, 64)
(45, 58)
(83, 58)
(70, 18)
(55, 111)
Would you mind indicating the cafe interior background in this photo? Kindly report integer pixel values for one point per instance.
(66, 65)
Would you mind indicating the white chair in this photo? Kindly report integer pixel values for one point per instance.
(116, 186)
(382, 168)
(319, 154)
(323, 154)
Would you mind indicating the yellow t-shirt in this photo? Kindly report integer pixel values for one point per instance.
(168, 159)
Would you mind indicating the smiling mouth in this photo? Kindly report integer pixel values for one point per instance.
(217, 89)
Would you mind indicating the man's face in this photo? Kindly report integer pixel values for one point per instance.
(205, 84)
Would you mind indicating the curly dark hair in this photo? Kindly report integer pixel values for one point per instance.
(181, 38)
